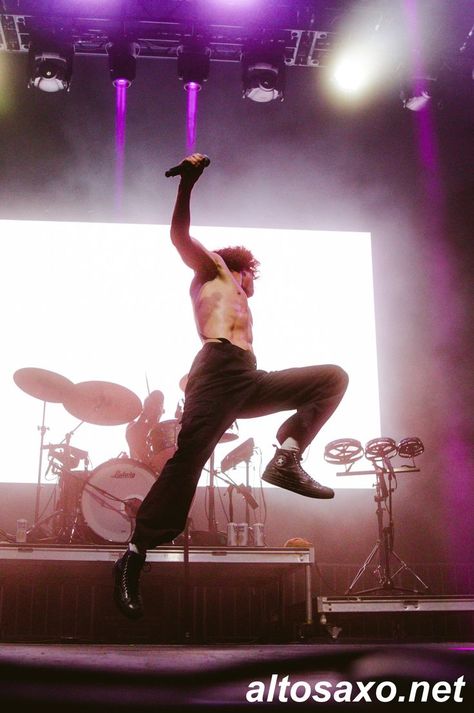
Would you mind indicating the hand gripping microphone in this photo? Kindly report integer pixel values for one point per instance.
(185, 166)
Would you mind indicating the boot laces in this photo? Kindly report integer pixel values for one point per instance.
(297, 457)
(131, 575)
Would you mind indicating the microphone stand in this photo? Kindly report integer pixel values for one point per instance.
(212, 523)
(249, 491)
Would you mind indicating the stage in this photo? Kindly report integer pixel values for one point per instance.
(136, 678)
(57, 593)
(354, 199)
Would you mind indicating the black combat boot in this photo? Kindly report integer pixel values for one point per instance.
(285, 471)
(127, 578)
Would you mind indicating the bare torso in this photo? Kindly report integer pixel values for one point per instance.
(221, 309)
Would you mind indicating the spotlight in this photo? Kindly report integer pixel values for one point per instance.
(417, 93)
(263, 74)
(50, 67)
(123, 55)
(194, 61)
(352, 73)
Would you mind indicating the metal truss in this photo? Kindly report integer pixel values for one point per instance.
(305, 30)
(302, 29)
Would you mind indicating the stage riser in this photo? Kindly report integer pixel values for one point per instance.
(427, 627)
(60, 602)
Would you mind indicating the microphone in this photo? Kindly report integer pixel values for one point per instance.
(185, 166)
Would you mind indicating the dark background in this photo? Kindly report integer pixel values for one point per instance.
(304, 163)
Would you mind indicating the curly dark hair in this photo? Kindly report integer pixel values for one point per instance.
(239, 258)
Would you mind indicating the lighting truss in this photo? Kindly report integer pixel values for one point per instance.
(301, 27)
(307, 30)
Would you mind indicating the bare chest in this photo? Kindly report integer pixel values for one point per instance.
(220, 296)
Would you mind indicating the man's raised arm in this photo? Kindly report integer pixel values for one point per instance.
(191, 251)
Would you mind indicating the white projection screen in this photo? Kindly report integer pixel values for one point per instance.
(110, 302)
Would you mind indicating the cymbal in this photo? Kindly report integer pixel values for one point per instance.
(102, 403)
(183, 382)
(43, 384)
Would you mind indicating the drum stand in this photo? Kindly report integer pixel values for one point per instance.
(70, 529)
(383, 548)
(67, 527)
(67, 510)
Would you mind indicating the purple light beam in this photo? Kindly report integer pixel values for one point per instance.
(456, 449)
(121, 86)
(192, 89)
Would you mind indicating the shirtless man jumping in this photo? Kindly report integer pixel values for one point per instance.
(224, 384)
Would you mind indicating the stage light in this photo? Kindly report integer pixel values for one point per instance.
(352, 72)
(362, 55)
(417, 93)
(263, 74)
(123, 55)
(50, 66)
(194, 60)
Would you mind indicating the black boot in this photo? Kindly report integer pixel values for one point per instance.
(126, 590)
(285, 471)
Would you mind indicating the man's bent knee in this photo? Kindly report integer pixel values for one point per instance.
(341, 378)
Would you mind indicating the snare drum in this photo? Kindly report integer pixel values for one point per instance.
(112, 495)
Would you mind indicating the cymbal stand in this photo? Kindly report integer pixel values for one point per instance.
(383, 548)
(42, 429)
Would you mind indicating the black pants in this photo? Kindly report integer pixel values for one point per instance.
(224, 384)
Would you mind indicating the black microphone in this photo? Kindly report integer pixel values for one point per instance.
(185, 166)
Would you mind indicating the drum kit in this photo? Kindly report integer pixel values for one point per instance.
(92, 506)
(97, 506)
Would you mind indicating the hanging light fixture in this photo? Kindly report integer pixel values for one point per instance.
(417, 92)
(263, 73)
(123, 54)
(194, 61)
(50, 63)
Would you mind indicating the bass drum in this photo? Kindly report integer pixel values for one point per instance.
(112, 495)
